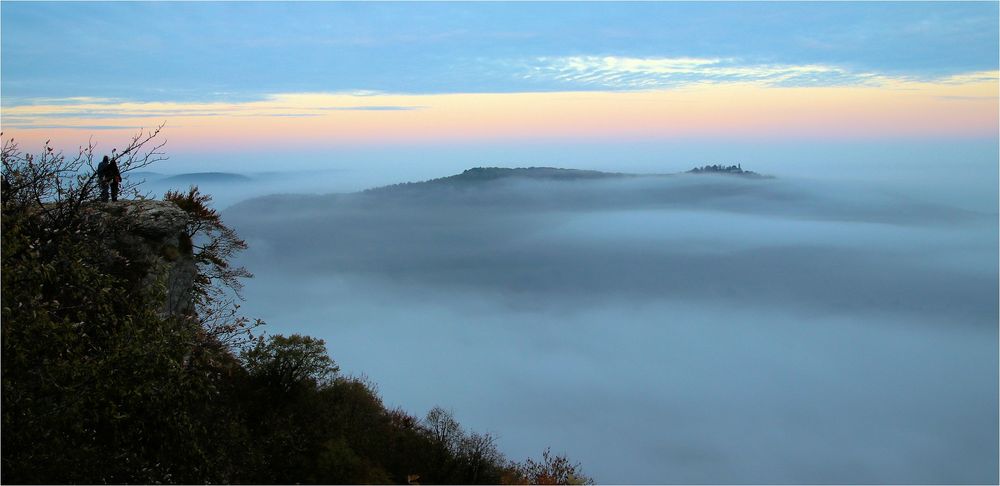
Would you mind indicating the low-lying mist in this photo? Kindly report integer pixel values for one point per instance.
(668, 329)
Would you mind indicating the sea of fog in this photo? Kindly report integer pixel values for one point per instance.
(686, 329)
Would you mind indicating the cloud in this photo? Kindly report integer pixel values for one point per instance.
(612, 72)
(29, 126)
(967, 98)
(972, 77)
(34, 112)
(373, 108)
(287, 115)
(110, 111)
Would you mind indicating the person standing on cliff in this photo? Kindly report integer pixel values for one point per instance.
(108, 176)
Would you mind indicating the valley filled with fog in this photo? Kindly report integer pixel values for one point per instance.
(667, 328)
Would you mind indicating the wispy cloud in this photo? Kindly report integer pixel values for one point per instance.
(69, 100)
(274, 105)
(286, 115)
(111, 111)
(967, 98)
(610, 72)
(973, 77)
(373, 108)
(30, 126)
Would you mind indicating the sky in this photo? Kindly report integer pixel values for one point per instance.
(245, 86)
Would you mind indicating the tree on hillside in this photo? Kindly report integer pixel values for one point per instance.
(98, 386)
(287, 362)
(218, 283)
(552, 469)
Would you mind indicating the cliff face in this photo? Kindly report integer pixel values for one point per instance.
(151, 237)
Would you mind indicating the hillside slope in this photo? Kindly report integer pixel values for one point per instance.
(122, 364)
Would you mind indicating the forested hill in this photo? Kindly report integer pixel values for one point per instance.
(125, 360)
(540, 188)
(479, 175)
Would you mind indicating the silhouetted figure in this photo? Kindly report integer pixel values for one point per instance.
(108, 176)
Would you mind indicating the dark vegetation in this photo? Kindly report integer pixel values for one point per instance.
(101, 387)
(724, 169)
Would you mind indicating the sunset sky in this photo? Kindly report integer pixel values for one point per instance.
(237, 83)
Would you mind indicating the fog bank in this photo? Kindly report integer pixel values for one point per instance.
(684, 329)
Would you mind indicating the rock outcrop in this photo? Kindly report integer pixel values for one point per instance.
(151, 238)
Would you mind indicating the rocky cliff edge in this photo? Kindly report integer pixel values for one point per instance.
(151, 238)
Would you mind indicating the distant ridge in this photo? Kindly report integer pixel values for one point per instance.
(145, 175)
(478, 175)
(201, 177)
(490, 173)
(487, 174)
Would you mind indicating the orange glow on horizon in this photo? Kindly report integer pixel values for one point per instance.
(956, 108)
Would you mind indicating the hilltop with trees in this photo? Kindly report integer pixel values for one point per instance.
(126, 360)
(724, 169)
(481, 176)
